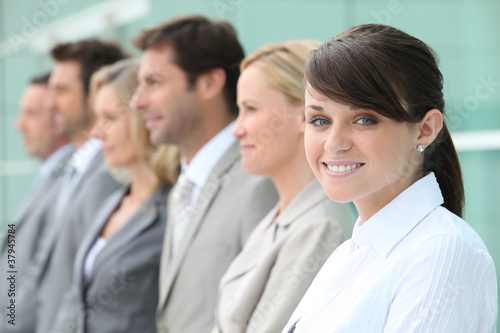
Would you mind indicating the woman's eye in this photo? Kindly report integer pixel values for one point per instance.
(319, 122)
(365, 121)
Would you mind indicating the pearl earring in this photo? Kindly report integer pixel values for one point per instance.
(420, 148)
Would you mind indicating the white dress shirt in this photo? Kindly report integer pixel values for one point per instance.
(82, 157)
(200, 167)
(77, 165)
(51, 164)
(412, 267)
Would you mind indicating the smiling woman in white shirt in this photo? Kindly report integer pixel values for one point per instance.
(376, 136)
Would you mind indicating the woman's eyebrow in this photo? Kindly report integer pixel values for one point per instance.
(315, 107)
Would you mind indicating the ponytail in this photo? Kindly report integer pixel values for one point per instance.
(442, 159)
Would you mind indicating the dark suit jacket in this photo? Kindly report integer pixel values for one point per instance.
(121, 293)
(57, 268)
(30, 224)
(230, 205)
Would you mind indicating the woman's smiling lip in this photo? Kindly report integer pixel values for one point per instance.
(341, 168)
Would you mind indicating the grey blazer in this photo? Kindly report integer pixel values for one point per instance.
(121, 293)
(56, 271)
(230, 205)
(267, 280)
(30, 224)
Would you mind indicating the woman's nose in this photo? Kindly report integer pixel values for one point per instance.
(239, 128)
(338, 140)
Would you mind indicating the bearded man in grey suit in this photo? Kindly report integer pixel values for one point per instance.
(187, 94)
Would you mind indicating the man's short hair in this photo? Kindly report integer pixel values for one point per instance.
(91, 54)
(42, 79)
(200, 45)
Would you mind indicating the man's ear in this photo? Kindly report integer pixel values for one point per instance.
(429, 127)
(89, 103)
(211, 83)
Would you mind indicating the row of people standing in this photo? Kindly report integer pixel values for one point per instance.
(76, 185)
(238, 251)
(101, 271)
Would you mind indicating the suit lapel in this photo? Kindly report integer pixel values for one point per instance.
(95, 164)
(105, 211)
(309, 197)
(171, 266)
(244, 263)
(42, 190)
(68, 209)
(34, 198)
(140, 221)
(37, 203)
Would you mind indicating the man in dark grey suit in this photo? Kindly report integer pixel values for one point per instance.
(84, 182)
(42, 141)
(187, 93)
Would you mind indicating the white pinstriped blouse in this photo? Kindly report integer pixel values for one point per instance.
(412, 267)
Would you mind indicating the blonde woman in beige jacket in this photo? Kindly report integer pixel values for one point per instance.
(266, 281)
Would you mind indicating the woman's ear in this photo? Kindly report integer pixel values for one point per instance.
(301, 117)
(429, 127)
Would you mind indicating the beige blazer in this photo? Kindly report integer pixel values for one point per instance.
(230, 205)
(266, 281)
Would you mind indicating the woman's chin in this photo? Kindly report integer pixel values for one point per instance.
(338, 196)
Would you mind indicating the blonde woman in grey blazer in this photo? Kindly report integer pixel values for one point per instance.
(121, 292)
(116, 269)
(266, 281)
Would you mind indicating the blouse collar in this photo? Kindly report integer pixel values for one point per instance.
(393, 222)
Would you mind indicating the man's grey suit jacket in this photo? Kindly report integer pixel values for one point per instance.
(229, 206)
(56, 269)
(87, 193)
(30, 224)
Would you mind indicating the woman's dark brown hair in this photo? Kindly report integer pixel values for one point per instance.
(382, 68)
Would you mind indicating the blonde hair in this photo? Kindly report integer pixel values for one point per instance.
(164, 160)
(285, 65)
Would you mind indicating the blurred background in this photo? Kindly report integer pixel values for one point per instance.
(464, 33)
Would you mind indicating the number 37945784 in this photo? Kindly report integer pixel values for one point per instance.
(11, 246)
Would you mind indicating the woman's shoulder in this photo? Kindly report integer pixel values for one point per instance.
(443, 223)
(445, 235)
